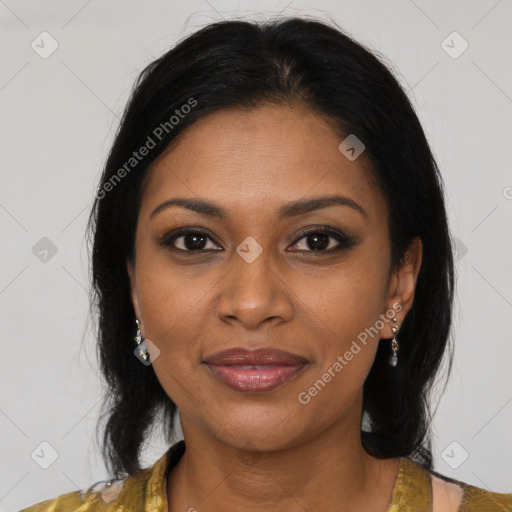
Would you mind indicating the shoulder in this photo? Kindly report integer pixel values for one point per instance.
(450, 494)
(65, 502)
(101, 497)
(420, 489)
(70, 502)
(144, 490)
(476, 499)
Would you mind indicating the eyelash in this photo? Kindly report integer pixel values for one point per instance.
(345, 241)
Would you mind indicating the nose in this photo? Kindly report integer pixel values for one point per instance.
(254, 292)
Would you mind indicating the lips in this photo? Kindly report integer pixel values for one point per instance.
(253, 357)
(254, 370)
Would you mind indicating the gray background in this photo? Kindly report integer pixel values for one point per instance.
(59, 115)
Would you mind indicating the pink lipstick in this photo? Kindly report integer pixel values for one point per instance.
(254, 370)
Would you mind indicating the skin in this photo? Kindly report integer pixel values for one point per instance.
(268, 451)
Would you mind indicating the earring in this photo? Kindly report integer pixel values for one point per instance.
(393, 360)
(138, 339)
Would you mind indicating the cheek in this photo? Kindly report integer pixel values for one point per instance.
(171, 309)
(171, 299)
(342, 312)
(345, 300)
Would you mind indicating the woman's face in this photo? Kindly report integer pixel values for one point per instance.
(253, 278)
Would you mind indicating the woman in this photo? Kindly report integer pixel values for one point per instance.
(270, 234)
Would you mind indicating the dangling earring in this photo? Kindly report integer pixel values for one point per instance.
(138, 339)
(393, 360)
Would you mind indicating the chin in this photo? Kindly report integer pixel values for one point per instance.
(255, 430)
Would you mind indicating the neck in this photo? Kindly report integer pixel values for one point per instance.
(329, 472)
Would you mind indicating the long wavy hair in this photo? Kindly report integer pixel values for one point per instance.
(244, 64)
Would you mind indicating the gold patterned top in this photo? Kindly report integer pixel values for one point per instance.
(415, 490)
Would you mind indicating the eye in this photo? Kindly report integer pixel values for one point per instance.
(187, 240)
(324, 239)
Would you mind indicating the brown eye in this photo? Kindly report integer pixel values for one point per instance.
(187, 240)
(317, 242)
(326, 239)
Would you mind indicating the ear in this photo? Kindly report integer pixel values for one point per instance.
(130, 267)
(402, 286)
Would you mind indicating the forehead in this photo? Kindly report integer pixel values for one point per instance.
(258, 159)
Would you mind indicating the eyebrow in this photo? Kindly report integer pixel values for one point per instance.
(293, 209)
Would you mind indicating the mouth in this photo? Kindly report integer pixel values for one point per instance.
(255, 370)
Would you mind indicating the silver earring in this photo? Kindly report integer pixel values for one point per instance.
(138, 339)
(393, 360)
